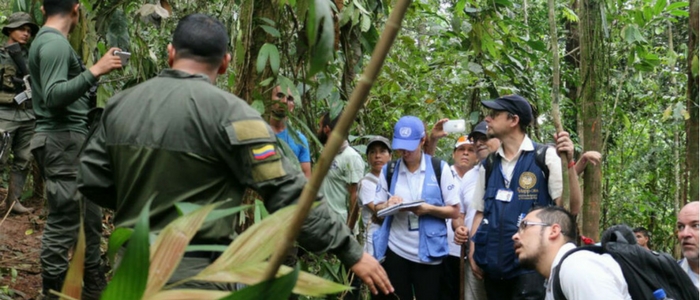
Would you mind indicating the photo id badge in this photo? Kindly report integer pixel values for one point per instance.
(412, 222)
(504, 195)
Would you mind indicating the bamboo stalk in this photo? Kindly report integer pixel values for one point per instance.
(337, 136)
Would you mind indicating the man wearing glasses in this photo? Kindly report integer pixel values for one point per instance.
(282, 104)
(516, 183)
(542, 239)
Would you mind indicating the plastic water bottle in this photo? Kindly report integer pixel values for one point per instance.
(660, 294)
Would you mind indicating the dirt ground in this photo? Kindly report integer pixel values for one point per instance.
(20, 244)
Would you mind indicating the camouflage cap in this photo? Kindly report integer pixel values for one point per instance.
(17, 20)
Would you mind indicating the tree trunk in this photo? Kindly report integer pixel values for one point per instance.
(691, 125)
(591, 44)
(253, 37)
(352, 50)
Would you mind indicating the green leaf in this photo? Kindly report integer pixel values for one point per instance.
(268, 51)
(263, 56)
(274, 59)
(537, 45)
(268, 21)
(258, 105)
(571, 15)
(322, 50)
(667, 113)
(276, 289)
(651, 59)
(346, 14)
(365, 24)
(129, 281)
(359, 6)
(118, 237)
(267, 81)
(631, 34)
(474, 117)
(679, 13)
(459, 6)
(271, 30)
(260, 206)
(694, 65)
(676, 5)
(659, 6)
(475, 68)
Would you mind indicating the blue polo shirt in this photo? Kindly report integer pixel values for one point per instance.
(300, 145)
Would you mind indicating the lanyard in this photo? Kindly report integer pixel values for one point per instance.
(505, 179)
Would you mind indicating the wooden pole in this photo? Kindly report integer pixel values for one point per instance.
(337, 136)
(462, 261)
(554, 47)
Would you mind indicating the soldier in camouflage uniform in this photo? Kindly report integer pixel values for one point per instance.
(16, 119)
(61, 99)
(178, 138)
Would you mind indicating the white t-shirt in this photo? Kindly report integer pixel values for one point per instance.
(551, 159)
(454, 248)
(368, 188)
(466, 192)
(586, 275)
(409, 186)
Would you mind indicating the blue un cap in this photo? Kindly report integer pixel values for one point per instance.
(408, 132)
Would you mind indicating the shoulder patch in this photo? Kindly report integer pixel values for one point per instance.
(264, 152)
(267, 171)
(248, 130)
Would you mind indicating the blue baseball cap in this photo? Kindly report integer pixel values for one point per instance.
(408, 132)
(514, 104)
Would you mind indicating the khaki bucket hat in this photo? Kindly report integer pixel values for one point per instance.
(17, 20)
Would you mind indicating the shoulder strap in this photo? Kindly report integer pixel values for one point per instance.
(557, 292)
(437, 169)
(390, 167)
(540, 156)
(488, 166)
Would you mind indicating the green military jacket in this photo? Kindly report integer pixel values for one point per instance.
(8, 89)
(178, 138)
(60, 84)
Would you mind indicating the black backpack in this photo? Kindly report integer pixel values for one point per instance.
(391, 167)
(645, 271)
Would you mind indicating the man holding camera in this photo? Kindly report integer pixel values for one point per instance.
(16, 115)
(62, 89)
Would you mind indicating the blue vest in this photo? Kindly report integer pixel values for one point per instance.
(493, 243)
(432, 231)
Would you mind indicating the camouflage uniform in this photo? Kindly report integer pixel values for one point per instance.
(15, 119)
(177, 138)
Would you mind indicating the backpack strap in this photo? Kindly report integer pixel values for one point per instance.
(540, 155)
(488, 165)
(390, 168)
(437, 169)
(557, 292)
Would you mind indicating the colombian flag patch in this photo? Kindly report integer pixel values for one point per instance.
(264, 152)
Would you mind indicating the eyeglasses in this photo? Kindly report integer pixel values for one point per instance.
(524, 224)
(494, 113)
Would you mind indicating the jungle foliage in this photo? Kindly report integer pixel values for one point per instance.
(629, 76)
